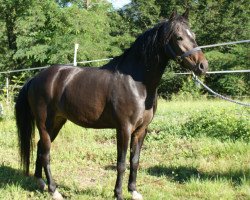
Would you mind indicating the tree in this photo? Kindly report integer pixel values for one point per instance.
(45, 33)
(141, 15)
(11, 11)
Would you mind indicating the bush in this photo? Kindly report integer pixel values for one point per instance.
(179, 87)
(221, 124)
(170, 83)
(228, 123)
(235, 58)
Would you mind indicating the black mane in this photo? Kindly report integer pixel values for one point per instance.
(149, 45)
(144, 46)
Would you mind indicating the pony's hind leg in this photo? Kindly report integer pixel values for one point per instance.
(45, 144)
(57, 125)
(48, 129)
(38, 170)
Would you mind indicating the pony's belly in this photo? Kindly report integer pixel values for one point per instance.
(91, 117)
(96, 125)
(100, 123)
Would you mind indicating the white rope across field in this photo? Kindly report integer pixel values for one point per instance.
(224, 44)
(217, 94)
(219, 72)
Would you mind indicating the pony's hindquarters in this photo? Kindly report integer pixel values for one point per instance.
(25, 126)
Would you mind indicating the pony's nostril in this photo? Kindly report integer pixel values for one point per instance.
(201, 67)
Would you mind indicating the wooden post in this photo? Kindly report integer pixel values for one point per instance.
(1, 110)
(7, 89)
(75, 54)
(87, 4)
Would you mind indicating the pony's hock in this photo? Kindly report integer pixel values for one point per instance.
(121, 95)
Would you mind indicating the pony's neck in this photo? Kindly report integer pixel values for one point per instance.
(155, 69)
(147, 70)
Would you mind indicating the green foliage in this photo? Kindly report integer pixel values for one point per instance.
(37, 33)
(179, 87)
(141, 15)
(51, 39)
(220, 21)
(220, 123)
(190, 90)
(234, 85)
(169, 84)
(15, 83)
(45, 33)
(201, 119)
(230, 84)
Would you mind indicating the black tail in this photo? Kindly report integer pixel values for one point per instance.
(25, 126)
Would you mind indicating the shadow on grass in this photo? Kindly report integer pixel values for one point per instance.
(110, 167)
(10, 176)
(184, 174)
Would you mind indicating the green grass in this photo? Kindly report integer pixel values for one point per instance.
(172, 165)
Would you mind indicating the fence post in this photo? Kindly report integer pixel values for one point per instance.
(7, 89)
(75, 54)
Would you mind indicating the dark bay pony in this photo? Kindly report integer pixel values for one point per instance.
(121, 94)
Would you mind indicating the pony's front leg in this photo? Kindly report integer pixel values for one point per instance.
(122, 146)
(135, 148)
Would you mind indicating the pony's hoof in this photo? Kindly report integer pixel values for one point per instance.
(57, 196)
(41, 184)
(136, 196)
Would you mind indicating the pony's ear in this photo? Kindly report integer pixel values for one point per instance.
(173, 15)
(186, 13)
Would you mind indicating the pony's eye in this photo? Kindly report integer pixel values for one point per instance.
(179, 38)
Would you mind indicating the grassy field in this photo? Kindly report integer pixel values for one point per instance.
(172, 165)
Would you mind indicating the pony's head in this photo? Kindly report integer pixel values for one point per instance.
(180, 44)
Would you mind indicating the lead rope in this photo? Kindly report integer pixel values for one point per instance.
(216, 94)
